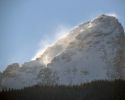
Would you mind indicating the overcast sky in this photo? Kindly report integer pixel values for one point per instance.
(28, 25)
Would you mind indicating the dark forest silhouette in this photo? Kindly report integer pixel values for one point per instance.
(96, 90)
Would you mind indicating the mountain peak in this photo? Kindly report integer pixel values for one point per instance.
(106, 17)
(94, 50)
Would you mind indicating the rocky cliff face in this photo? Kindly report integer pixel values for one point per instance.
(19, 76)
(91, 51)
(96, 51)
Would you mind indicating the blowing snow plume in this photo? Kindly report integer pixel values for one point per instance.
(45, 45)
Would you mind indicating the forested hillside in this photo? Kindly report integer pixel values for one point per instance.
(96, 90)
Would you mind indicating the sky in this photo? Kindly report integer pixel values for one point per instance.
(27, 26)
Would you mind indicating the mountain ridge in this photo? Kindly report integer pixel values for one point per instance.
(94, 50)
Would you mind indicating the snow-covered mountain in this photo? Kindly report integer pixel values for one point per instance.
(94, 50)
(18, 76)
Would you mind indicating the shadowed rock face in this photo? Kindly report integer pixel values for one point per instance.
(94, 50)
(11, 69)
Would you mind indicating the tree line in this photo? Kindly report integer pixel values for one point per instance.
(95, 90)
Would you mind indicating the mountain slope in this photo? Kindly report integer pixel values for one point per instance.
(16, 76)
(94, 50)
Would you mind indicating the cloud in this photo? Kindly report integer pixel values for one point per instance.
(60, 32)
